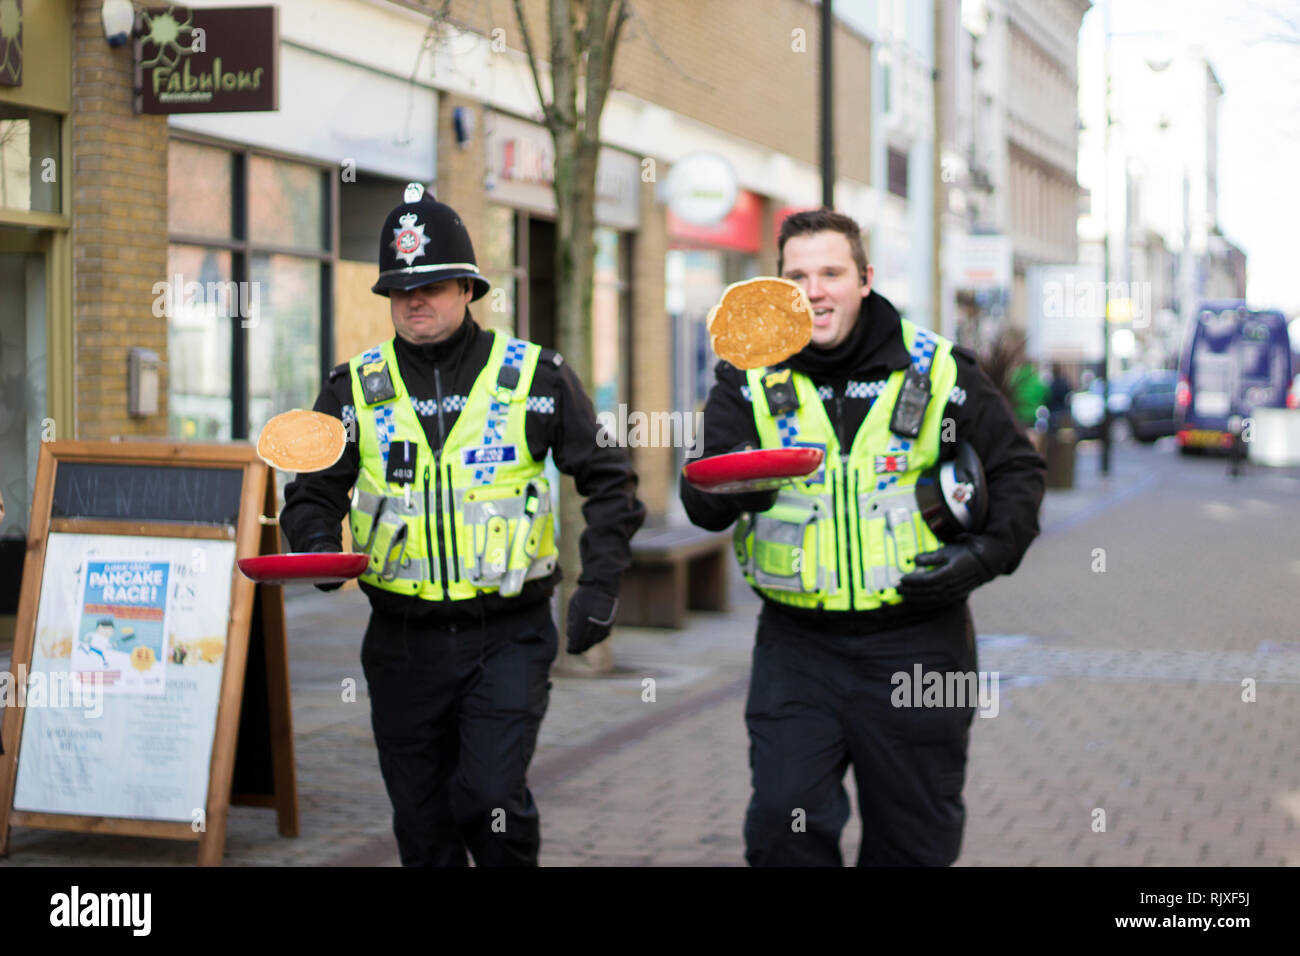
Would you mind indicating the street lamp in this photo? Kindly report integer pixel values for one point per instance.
(1158, 65)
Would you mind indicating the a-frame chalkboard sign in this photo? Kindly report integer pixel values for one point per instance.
(152, 678)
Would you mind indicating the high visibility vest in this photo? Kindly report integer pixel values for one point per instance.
(841, 540)
(476, 516)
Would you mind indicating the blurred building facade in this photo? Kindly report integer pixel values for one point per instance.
(121, 245)
(1008, 128)
(1159, 186)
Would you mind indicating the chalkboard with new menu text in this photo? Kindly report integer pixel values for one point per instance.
(140, 492)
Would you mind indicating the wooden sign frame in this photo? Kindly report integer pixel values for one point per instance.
(254, 532)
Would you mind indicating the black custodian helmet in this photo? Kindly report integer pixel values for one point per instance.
(953, 496)
(423, 241)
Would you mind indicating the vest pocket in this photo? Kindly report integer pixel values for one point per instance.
(502, 532)
(785, 554)
(390, 531)
(889, 528)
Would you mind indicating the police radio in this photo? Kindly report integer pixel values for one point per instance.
(909, 409)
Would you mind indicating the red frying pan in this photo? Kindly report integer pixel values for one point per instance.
(759, 469)
(320, 567)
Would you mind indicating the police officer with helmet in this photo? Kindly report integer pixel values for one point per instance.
(928, 489)
(444, 488)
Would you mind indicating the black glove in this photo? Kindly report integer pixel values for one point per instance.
(755, 500)
(324, 545)
(958, 569)
(591, 615)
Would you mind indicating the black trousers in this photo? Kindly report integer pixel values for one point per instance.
(455, 713)
(819, 701)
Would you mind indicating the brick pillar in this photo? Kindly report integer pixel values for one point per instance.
(652, 342)
(119, 231)
(460, 171)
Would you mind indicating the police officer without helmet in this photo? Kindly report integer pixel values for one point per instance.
(857, 586)
(452, 426)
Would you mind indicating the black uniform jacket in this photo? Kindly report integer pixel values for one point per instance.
(848, 378)
(559, 418)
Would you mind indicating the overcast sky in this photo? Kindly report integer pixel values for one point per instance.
(1259, 122)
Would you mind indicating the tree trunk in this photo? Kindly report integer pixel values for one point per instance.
(580, 54)
(575, 191)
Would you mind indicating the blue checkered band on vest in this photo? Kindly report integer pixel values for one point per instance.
(787, 427)
(922, 354)
(494, 431)
(385, 428)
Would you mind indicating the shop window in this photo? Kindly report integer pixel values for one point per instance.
(22, 405)
(495, 251)
(363, 207)
(248, 289)
(606, 326)
(29, 158)
(198, 343)
(898, 172)
(286, 204)
(694, 282)
(199, 191)
(283, 346)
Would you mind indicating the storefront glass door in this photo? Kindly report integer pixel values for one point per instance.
(22, 397)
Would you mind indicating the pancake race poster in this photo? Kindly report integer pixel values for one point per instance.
(123, 626)
(125, 677)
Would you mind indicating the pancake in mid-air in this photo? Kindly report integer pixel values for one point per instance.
(301, 441)
(760, 322)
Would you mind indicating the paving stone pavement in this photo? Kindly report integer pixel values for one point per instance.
(1120, 691)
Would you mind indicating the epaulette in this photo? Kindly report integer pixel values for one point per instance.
(338, 370)
(966, 353)
(552, 356)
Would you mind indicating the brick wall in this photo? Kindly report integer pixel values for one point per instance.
(727, 63)
(460, 171)
(119, 232)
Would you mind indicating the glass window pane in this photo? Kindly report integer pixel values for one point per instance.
(199, 191)
(199, 301)
(22, 389)
(495, 252)
(286, 205)
(29, 158)
(605, 322)
(283, 337)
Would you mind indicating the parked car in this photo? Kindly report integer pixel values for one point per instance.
(1086, 404)
(1151, 411)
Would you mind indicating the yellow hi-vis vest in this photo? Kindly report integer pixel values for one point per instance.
(795, 553)
(477, 517)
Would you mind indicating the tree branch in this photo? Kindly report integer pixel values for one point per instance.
(563, 65)
(547, 115)
(602, 40)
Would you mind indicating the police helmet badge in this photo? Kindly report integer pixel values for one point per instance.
(409, 239)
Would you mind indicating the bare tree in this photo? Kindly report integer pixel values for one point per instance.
(584, 37)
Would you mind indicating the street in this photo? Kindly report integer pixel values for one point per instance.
(1121, 735)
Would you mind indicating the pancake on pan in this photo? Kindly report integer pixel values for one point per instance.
(760, 322)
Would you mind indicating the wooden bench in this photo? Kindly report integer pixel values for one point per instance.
(675, 569)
